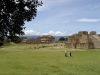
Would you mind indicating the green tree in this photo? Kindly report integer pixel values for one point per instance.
(6, 41)
(13, 14)
(62, 39)
(19, 39)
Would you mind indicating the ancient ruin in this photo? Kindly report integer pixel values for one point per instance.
(44, 39)
(83, 40)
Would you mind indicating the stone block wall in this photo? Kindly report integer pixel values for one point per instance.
(95, 41)
(70, 45)
(84, 40)
(93, 33)
(91, 45)
(82, 45)
(83, 32)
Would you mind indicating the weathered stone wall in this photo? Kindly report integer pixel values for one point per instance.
(93, 33)
(70, 45)
(43, 39)
(83, 32)
(82, 45)
(84, 40)
(91, 45)
(95, 39)
(46, 39)
(74, 39)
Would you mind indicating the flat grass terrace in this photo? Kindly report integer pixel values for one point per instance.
(23, 59)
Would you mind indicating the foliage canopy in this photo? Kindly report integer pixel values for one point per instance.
(13, 14)
(62, 39)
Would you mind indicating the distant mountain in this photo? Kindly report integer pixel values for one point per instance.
(35, 37)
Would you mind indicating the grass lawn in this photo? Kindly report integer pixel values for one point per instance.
(48, 61)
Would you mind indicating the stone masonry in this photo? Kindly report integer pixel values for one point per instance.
(83, 40)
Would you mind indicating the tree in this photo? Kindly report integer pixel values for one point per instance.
(19, 39)
(6, 41)
(13, 14)
(62, 39)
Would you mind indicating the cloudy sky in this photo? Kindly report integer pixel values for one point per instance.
(65, 17)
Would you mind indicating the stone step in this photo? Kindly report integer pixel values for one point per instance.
(97, 37)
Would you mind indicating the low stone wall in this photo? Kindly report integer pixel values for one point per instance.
(70, 45)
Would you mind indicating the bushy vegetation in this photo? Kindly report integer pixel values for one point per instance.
(63, 39)
(8, 41)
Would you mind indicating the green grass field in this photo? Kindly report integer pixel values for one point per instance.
(48, 61)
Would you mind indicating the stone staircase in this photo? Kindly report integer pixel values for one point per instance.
(97, 37)
(96, 40)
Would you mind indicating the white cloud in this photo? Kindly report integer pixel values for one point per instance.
(98, 32)
(56, 33)
(53, 33)
(88, 20)
(31, 32)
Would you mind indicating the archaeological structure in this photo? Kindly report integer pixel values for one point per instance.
(44, 39)
(83, 40)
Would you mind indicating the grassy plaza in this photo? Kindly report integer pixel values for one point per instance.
(48, 61)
